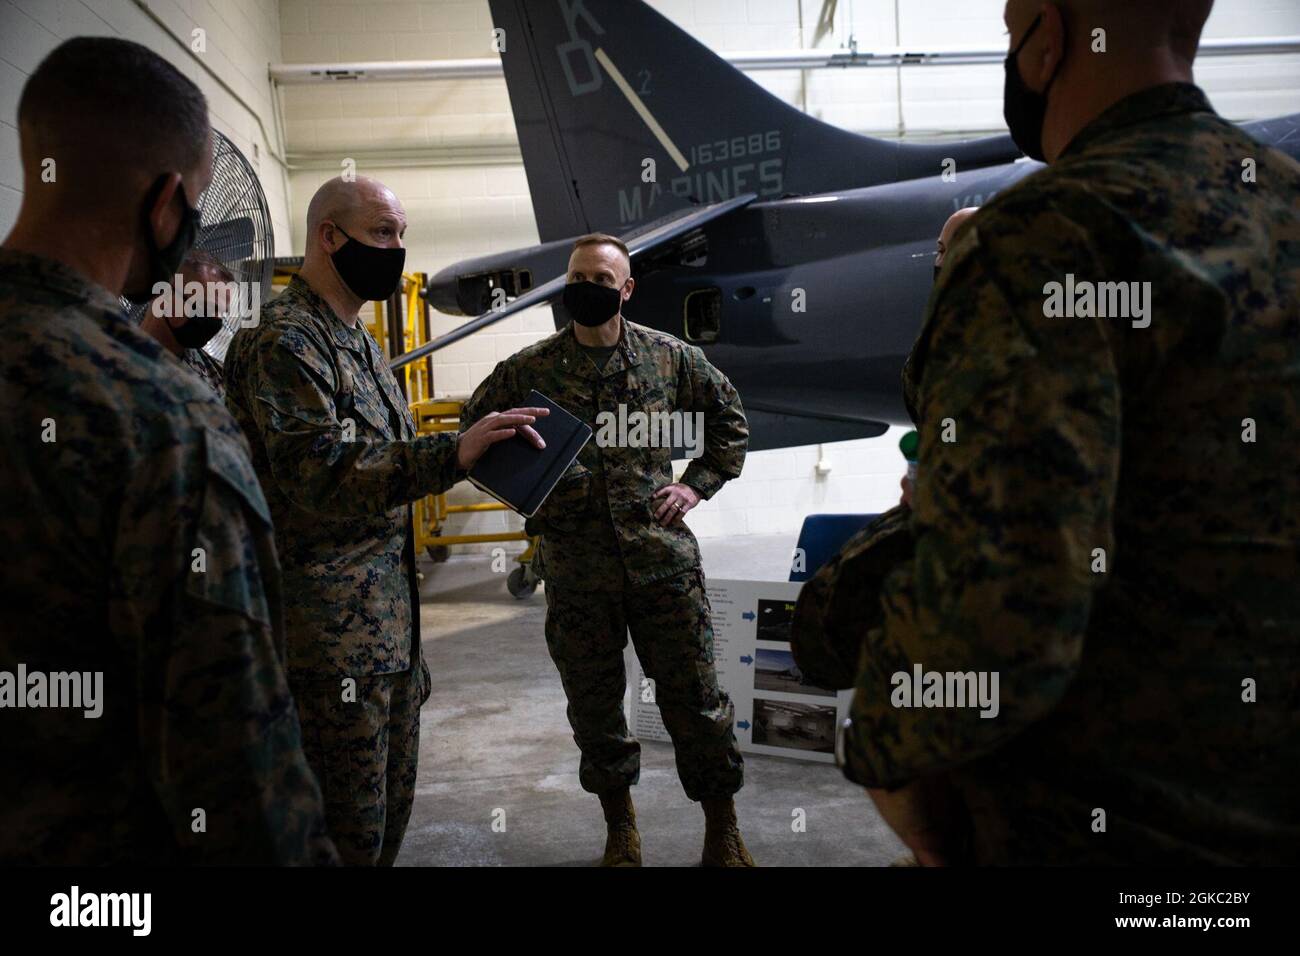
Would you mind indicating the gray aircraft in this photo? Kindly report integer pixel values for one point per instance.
(798, 255)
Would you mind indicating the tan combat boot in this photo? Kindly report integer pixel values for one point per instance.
(722, 843)
(623, 844)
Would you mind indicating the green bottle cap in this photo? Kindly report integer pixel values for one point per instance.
(909, 444)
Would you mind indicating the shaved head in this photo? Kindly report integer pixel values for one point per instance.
(1135, 25)
(342, 199)
(116, 152)
(363, 208)
(950, 229)
(354, 209)
(144, 117)
(1084, 56)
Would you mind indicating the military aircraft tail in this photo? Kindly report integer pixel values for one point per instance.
(624, 118)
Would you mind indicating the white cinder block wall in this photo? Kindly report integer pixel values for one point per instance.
(449, 150)
(241, 36)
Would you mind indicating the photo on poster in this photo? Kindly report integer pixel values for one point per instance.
(776, 670)
(774, 619)
(781, 723)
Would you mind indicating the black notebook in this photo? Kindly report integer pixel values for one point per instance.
(521, 475)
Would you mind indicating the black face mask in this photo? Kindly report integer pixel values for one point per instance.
(197, 331)
(937, 271)
(591, 304)
(1024, 110)
(371, 272)
(164, 262)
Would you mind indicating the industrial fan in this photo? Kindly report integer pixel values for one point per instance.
(235, 227)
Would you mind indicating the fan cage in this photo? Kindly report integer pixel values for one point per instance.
(235, 228)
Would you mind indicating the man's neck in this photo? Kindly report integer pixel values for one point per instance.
(604, 335)
(88, 249)
(325, 282)
(1083, 97)
(158, 328)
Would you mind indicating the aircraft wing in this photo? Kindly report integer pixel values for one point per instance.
(650, 237)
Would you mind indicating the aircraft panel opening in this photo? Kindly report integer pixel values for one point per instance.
(702, 315)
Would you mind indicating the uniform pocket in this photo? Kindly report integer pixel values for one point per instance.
(569, 502)
(225, 553)
(229, 462)
(368, 406)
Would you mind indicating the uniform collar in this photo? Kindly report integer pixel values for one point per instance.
(49, 275)
(341, 334)
(626, 354)
(1168, 99)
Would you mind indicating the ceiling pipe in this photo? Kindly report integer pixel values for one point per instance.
(389, 71)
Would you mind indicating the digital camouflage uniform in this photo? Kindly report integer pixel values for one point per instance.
(137, 543)
(336, 449)
(1121, 690)
(609, 568)
(207, 368)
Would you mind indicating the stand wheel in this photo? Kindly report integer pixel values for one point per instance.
(438, 552)
(521, 582)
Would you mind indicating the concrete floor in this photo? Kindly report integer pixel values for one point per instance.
(496, 745)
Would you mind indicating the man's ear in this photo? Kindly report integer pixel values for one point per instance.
(162, 219)
(628, 287)
(331, 237)
(1053, 46)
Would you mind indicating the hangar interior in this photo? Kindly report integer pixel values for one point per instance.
(443, 139)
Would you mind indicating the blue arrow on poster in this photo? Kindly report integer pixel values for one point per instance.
(749, 615)
(743, 725)
(747, 659)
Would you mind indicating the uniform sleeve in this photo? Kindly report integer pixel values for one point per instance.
(314, 462)
(219, 729)
(1019, 455)
(840, 603)
(496, 393)
(726, 432)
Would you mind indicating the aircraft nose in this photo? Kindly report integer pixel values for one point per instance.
(440, 292)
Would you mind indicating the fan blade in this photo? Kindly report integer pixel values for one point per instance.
(229, 241)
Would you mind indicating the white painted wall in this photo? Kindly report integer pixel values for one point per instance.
(242, 39)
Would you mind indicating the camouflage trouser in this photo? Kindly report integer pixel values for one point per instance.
(364, 755)
(586, 632)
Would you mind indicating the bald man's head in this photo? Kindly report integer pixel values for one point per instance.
(1072, 60)
(363, 209)
(354, 250)
(1132, 26)
(949, 231)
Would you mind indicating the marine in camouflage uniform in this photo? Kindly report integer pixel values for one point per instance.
(138, 545)
(610, 568)
(207, 368)
(202, 268)
(1113, 523)
(337, 452)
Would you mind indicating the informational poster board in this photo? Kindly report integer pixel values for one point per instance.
(776, 712)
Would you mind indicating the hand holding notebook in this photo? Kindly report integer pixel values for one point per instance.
(519, 474)
(491, 429)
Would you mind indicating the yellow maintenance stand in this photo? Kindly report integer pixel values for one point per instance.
(400, 325)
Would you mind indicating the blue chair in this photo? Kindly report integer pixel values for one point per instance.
(822, 536)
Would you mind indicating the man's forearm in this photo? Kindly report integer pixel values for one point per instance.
(329, 475)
